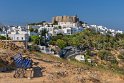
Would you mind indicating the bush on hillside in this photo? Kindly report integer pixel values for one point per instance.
(107, 56)
(121, 56)
(2, 37)
(61, 43)
(34, 48)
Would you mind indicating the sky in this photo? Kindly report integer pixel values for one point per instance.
(109, 13)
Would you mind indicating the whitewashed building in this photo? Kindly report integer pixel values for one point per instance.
(104, 30)
(67, 24)
(23, 36)
(18, 33)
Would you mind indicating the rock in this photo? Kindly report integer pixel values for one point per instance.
(50, 77)
(57, 65)
(80, 79)
(59, 74)
(94, 80)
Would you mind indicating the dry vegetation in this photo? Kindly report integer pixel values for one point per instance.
(56, 70)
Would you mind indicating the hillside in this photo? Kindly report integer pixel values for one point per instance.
(106, 52)
(56, 70)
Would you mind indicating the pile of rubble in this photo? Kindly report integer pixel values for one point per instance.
(5, 61)
(8, 45)
(7, 51)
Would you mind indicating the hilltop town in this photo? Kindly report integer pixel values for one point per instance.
(66, 25)
(66, 48)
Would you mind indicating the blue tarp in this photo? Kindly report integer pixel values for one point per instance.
(20, 62)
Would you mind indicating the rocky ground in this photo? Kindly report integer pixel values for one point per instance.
(54, 70)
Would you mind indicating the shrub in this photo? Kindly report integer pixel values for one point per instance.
(2, 37)
(121, 56)
(34, 48)
(61, 43)
(36, 39)
(107, 56)
(103, 54)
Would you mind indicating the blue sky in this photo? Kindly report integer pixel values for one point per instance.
(108, 13)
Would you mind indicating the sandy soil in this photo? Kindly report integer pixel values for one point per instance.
(53, 71)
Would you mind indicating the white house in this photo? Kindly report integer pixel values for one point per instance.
(3, 33)
(50, 29)
(67, 31)
(121, 32)
(33, 27)
(104, 30)
(19, 35)
(67, 24)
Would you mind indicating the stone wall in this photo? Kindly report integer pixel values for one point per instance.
(73, 19)
(12, 44)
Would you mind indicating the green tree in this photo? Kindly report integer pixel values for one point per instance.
(43, 32)
(31, 29)
(2, 37)
(52, 42)
(61, 43)
(36, 39)
(107, 56)
(59, 27)
(1, 29)
(36, 30)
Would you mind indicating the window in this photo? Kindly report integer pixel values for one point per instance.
(17, 38)
(22, 38)
(68, 30)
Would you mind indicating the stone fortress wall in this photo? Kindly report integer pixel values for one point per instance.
(73, 19)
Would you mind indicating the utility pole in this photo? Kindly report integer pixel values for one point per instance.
(26, 40)
(39, 39)
(5, 28)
